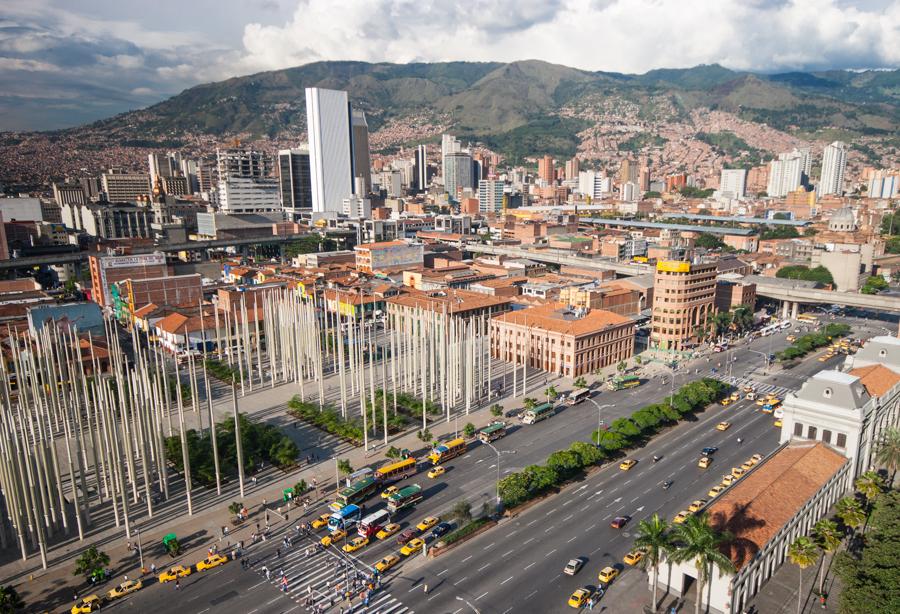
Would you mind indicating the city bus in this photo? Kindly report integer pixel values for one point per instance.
(446, 451)
(492, 432)
(771, 406)
(358, 474)
(374, 522)
(357, 492)
(541, 412)
(399, 470)
(577, 396)
(621, 382)
(345, 519)
(808, 318)
(404, 498)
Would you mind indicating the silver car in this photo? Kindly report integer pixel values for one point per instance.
(573, 566)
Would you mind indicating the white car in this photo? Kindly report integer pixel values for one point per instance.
(572, 567)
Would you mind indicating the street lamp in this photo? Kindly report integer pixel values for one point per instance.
(474, 609)
(498, 453)
(140, 549)
(599, 421)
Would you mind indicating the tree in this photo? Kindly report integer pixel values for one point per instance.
(344, 467)
(889, 224)
(828, 539)
(469, 429)
(851, 513)
(869, 484)
(819, 274)
(393, 452)
(462, 511)
(803, 554)
(720, 323)
(514, 489)
(887, 451)
(652, 536)
(90, 562)
(565, 463)
(742, 318)
(621, 366)
(581, 383)
(590, 455)
(300, 488)
(424, 435)
(709, 241)
(696, 541)
(529, 403)
(551, 393)
(496, 410)
(235, 507)
(638, 360)
(10, 601)
(874, 284)
(173, 548)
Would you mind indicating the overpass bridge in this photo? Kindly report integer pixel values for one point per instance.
(793, 297)
(561, 257)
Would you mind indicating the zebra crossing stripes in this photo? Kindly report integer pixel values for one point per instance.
(316, 577)
(759, 387)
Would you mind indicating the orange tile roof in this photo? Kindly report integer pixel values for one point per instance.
(455, 301)
(145, 310)
(172, 323)
(764, 501)
(877, 379)
(549, 317)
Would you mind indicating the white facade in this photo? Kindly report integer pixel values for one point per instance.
(630, 192)
(125, 187)
(785, 174)
(245, 195)
(884, 185)
(732, 182)
(330, 156)
(490, 195)
(834, 162)
(357, 207)
(593, 184)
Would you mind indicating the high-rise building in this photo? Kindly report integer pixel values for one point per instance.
(546, 171)
(122, 186)
(246, 184)
(68, 193)
(163, 165)
(490, 196)
(573, 167)
(629, 171)
(420, 169)
(330, 149)
(449, 145)
(294, 181)
(684, 295)
(457, 173)
(359, 144)
(644, 179)
(630, 192)
(243, 163)
(834, 162)
(884, 184)
(594, 184)
(785, 174)
(732, 182)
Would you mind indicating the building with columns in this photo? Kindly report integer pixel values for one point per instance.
(683, 302)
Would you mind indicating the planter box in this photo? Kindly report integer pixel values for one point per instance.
(437, 550)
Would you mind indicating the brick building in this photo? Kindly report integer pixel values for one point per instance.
(683, 301)
(107, 270)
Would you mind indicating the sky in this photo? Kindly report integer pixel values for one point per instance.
(68, 62)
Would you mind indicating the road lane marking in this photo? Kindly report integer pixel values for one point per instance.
(508, 611)
(567, 518)
(481, 595)
(466, 559)
(530, 539)
(531, 523)
(460, 581)
(585, 507)
(273, 601)
(443, 572)
(591, 527)
(550, 512)
(484, 566)
(530, 595)
(567, 501)
(513, 532)
(457, 611)
(529, 566)
(507, 580)
(480, 460)
(550, 528)
(257, 584)
(627, 482)
(488, 546)
(573, 539)
(507, 553)
(549, 553)
(291, 610)
(635, 499)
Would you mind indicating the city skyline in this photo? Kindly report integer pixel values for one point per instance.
(64, 66)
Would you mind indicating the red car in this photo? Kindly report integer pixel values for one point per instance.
(618, 522)
(406, 535)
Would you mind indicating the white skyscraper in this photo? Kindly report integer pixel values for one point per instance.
(330, 150)
(785, 174)
(490, 195)
(834, 161)
(594, 184)
(732, 182)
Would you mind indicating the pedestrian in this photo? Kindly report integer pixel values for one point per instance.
(153, 568)
(75, 598)
(177, 584)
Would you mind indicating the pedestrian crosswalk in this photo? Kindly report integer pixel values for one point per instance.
(320, 579)
(759, 387)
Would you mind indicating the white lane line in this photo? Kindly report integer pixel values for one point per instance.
(635, 499)
(460, 581)
(513, 532)
(567, 518)
(549, 553)
(443, 572)
(481, 595)
(550, 512)
(207, 610)
(573, 539)
(529, 566)
(257, 584)
(291, 610)
(480, 460)
(531, 523)
(585, 507)
(506, 553)
(466, 559)
(507, 611)
(273, 601)
(489, 545)
(530, 539)
(492, 466)
(457, 611)
(627, 482)
(485, 566)
(607, 516)
(507, 580)
(550, 528)
(530, 595)
(592, 526)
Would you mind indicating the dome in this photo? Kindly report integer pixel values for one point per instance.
(842, 220)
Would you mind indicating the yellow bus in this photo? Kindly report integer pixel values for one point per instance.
(399, 470)
(446, 451)
(808, 318)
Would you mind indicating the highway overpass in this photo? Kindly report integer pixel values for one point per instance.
(792, 297)
(560, 257)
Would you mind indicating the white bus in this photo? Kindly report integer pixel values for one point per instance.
(577, 396)
(374, 522)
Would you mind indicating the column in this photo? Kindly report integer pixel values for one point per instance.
(785, 305)
(795, 310)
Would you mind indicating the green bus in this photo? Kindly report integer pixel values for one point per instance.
(622, 382)
(357, 492)
(541, 412)
(404, 498)
(493, 431)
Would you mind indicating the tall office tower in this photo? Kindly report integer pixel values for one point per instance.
(805, 163)
(243, 163)
(477, 171)
(834, 162)
(785, 174)
(294, 181)
(163, 165)
(644, 179)
(490, 196)
(573, 166)
(545, 170)
(630, 192)
(330, 149)
(420, 169)
(449, 145)
(206, 176)
(732, 182)
(359, 143)
(189, 169)
(884, 184)
(457, 173)
(593, 184)
(246, 184)
(123, 186)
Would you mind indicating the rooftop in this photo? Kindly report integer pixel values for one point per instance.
(556, 317)
(759, 505)
(454, 301)
(381, 245)
(877, 379)
(683, 227)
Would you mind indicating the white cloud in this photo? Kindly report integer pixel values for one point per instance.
(614, 35)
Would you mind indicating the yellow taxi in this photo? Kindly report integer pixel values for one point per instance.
(387, 530)
(436, 472)
(704, 462)
(681, 517)
(387, 562)
(778, 423)
(737, 472)
(429, 522)
(124, 588)
(825, 357)
(580, 597)
(755, 458)
(723, 426)
(608, 574)
(321, 521)
(725, 402)
(715, 491)
(697, 505)
(88, 604)
(761, 401)
(634, 557)
(625, 465)
(333, 538)
(791, 338)
(413, 545)
(735, 396)
(747, 465)
(173, 573)
(390, 490)
(728, 480)
(355, 544)
(212, 561)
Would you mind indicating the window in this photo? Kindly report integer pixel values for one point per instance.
(826, 435)
(841, 440)
(811, 433)
(798, 429)
(827, 393)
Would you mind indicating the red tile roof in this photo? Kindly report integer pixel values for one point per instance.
(877, 379)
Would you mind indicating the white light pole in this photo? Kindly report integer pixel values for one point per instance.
(140, 549)
(474, 609)
(498, 453)
(599, 421)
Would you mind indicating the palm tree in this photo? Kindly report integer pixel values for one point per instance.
(720, 323)
(695, 540)
(851, 513)
(551, 393)
(529, 403)
(742, 318)
(652, 536)
(887, 451)
(828, 538)
(10, 601)
(869, 484)
(802, 553)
